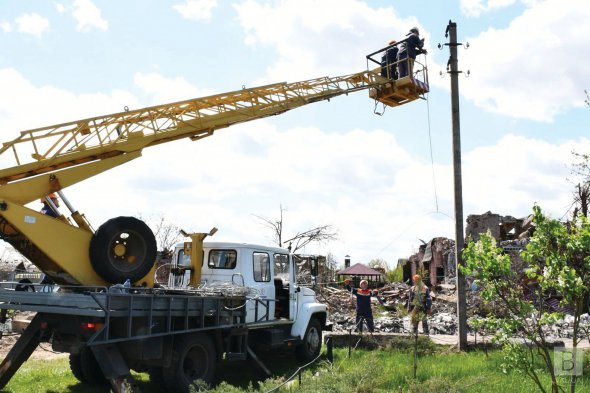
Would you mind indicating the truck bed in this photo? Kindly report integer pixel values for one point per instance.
(145, 312)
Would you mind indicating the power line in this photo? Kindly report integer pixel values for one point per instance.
(431, 153)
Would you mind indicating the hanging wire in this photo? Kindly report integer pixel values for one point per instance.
(405, 228)
(430, 145)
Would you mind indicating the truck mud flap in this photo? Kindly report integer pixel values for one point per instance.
(115, 368)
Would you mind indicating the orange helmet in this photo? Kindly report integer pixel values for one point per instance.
(53, 195)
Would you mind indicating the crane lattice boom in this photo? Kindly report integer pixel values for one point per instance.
(59, 146)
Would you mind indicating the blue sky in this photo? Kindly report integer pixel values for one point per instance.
(522, 111)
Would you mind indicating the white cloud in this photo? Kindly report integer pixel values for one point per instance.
(33, 24)
(60, 8)
(161, 89)
(49, 104)
(196, 9)
(5, 26)
(88, 16)
(476, 7)
(532, 69)
(314, 38)
(509, 176)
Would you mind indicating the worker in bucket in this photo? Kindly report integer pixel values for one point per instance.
(47, 209)
(363, 304)
(420, 304)
(409, 49)
(388, 61)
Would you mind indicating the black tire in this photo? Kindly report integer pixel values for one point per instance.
(193, 358)
(311, 344)
(76, 367)
(123, 248)
(86, 369)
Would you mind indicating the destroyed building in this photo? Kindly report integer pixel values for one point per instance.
(436, 258)
(511, 234)
(502, 228)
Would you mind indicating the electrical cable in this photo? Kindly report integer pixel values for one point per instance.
(430, 145)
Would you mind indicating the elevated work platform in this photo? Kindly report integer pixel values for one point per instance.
(400, 91)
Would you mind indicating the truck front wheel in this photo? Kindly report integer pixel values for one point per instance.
(311, 345)
(193, 359)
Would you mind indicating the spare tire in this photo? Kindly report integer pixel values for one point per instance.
(123, 248)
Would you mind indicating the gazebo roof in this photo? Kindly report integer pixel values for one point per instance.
(359, 269)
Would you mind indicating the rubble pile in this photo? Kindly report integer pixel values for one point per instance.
(564, 328)
(392, 317)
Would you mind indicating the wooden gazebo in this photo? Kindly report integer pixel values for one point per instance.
(358, 272)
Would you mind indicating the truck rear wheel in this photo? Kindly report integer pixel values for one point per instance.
(310, 348)
(123, 248)
(193, 359)
(86, 369)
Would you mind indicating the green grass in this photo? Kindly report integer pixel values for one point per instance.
(381, 370)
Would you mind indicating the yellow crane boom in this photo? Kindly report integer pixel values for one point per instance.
(48, 159)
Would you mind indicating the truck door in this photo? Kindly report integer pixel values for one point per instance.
(293, 288)
(282, 279)
(263, 309)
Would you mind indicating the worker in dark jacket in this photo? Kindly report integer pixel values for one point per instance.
(363, 304)
(408, 51)
(389, 61)
(420, 304)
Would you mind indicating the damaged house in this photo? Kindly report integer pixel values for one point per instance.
(437, 257)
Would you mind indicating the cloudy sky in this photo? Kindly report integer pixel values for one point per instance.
(337, 163)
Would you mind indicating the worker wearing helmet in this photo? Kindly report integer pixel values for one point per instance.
(389, 61)
(420, 304)
(47, 209)
(409, 49)
(363, 304)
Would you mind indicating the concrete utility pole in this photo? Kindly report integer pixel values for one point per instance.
(452, 68)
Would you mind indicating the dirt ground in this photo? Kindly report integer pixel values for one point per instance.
(43, 351)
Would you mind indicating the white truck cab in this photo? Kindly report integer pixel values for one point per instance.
(274, 300)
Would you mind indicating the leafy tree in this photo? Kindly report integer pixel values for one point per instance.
(558, 258)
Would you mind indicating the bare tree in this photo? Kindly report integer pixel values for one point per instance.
(275, 225)
(167, 233)
(319, 234)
